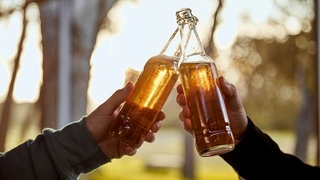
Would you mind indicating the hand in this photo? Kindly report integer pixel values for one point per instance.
(99, 121)
(236, 112)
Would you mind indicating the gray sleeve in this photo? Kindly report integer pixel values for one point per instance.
(73, 149)
(61, 154)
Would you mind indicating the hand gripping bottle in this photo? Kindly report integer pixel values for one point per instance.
(151, 91)
(198, 74)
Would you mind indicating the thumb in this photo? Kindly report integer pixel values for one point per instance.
(118, 97)
(236, 111)
(227, 89)
(231, 97)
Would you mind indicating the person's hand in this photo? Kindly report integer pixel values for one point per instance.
(99, 121)
(236, 112)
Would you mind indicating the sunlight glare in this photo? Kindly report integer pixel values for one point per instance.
(225, 35)
(293, 26)
(10, 34)
(30, 72)
(139, 30)
(139, 38)
(4, 80)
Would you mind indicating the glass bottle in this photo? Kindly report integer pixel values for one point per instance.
(151, 91)
(198, 74)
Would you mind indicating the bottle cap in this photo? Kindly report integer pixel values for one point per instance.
(185, 15)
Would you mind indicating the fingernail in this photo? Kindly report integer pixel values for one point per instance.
(225, 81)
(127, 86)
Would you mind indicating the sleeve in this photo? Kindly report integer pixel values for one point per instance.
(257, 156)
(61, 154)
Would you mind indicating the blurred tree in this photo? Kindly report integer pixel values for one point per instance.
(48, 92)
(279, 74)
(79, 31)
(7, 105)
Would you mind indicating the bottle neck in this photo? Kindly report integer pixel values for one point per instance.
(190, 41)
(173, 42)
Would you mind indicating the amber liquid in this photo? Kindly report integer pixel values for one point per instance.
(209, 117)
(151, 91)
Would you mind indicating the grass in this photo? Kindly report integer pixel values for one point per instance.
(163, 159)
(136, 168)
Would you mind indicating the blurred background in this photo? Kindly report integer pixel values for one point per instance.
(59, 59)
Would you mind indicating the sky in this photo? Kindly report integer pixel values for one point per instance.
(144, 28)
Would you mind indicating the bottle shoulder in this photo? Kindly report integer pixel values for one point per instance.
(198, 58)
(162, 59)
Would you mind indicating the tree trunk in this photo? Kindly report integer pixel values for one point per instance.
(6, 108)
(88, 17)
(304, 122)
(48, 93)
(68, 41)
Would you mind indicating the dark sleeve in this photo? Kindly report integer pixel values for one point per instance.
(61, 154)
(257, 156)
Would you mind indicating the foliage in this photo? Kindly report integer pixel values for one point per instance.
(273, 73)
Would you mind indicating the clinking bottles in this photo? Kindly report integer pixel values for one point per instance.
(198, 74)
(151, 91)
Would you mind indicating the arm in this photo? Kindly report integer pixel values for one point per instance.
(62, 154)
(257, 156)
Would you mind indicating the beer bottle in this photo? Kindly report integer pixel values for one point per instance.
(198, 74)
(151, 91)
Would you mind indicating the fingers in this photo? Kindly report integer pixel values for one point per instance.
(232, 101)
(179, 89)
(154, 129)
(185, 112)
(181, 99)
(161, 116)
(124, 149)
(150, 137)
(107, 111)
(186, 124)
(130, 151)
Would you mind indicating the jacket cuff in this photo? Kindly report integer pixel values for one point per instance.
(255, 147)
(73, 149)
